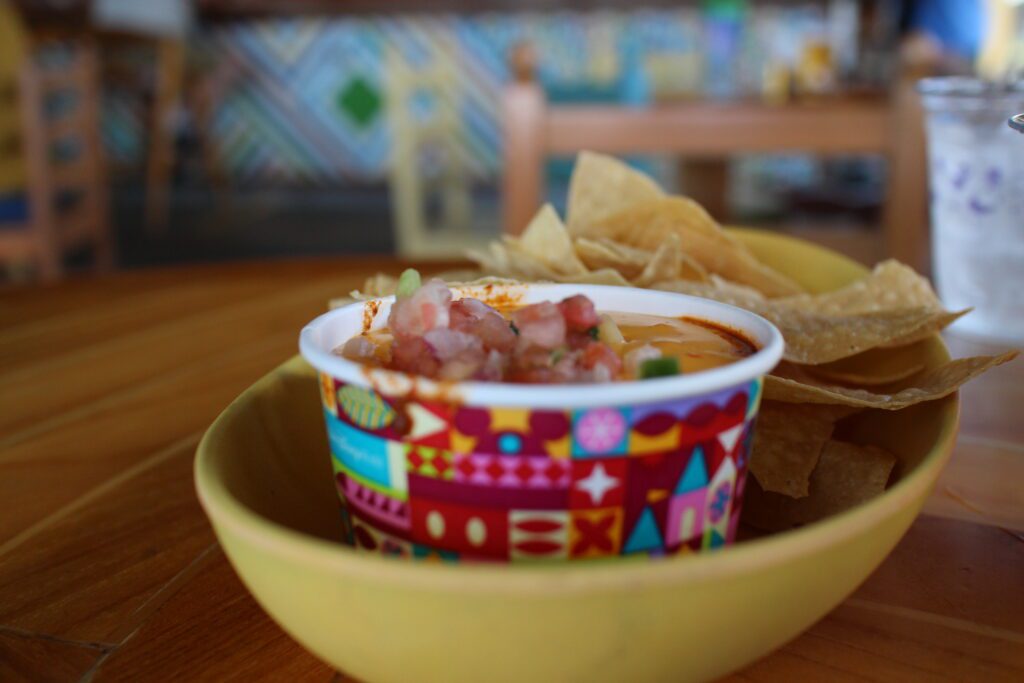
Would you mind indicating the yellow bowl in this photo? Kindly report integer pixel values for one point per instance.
(263, 476)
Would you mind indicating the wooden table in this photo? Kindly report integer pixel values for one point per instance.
(109, 570)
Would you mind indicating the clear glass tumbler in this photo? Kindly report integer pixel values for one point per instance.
(976, 168)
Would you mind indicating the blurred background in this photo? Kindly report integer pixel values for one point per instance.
(135, 134)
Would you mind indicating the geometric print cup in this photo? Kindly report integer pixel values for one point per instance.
(428, 479)
(497, 472)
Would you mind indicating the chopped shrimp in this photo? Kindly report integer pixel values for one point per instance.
(477, 318)
(426, 309)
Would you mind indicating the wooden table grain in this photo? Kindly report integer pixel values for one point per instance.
(109, 570)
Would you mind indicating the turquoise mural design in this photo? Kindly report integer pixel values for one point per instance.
(307, 102)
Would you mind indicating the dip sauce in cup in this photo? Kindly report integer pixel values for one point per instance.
(605, 466)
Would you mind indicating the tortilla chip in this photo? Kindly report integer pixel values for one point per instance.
(377, 285)
(940, 320)
(523, 266)
(793, 384)
(641, 267)
(546, 240)
(691, 270)
(665, 264)
(891, 285)
(816, 339)
(494, 261)
(717, 289)
(543, 252)
(788, 440)
(601, 253)
(865, 379)
(872, 368)
(646, 225)
(509, 260)
(380, 284)
(605, 276)
(846, 476)
(601, 186)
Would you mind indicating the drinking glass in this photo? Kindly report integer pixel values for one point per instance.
(976, 169)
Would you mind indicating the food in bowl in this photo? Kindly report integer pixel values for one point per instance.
(850, 353)
(543, 622)
(569, 341)
(514, 471)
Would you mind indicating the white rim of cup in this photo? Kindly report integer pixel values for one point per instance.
(394, 383)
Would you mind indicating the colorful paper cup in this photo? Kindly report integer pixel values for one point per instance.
(505, 472)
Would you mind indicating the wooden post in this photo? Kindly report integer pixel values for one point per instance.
(905, 217)
(524, 131)
(523, 182)
(706, 181)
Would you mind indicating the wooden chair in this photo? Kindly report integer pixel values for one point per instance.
(53, 225)
(699, 130)
(417, 235)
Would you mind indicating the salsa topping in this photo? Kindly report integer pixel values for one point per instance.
(428, 333)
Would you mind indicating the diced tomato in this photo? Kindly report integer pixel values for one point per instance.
(546, 343)
(579, 312)
(578, 340)
(598, 354)
(540, 325)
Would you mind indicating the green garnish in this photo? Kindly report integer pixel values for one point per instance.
(514, 328)
(408, 283)
(593, 332)
(659, 367)
(557, 355)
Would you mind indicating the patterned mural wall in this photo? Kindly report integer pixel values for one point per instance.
(304, 100)
(312, 106)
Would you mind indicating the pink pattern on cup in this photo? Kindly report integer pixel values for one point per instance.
(600, 430)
